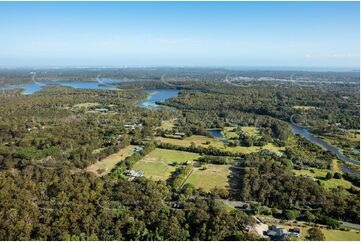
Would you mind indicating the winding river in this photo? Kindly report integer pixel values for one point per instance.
(296, 129)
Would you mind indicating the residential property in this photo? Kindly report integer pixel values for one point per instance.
(133, 126)
(180, 134)
(101, 110)
(137, 149)
(132, 173)
(277, 233)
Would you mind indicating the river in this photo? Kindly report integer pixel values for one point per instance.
(155, 96)
(101, 84)
(305, 133)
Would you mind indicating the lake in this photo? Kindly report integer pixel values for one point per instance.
(157, 96)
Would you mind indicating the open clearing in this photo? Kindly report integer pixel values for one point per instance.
(338, 235)
(229, 133)
(251, 131)
(304, 107)
(109, 162)
(86, 105)
(213, 176)
(330, 234)
(157, 164)
(320, 174)
(199, 140)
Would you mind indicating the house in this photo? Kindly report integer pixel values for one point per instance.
(101, 110)
(132, 173)
(295, 232)
(179, 134)
(139, 148)
(276, 233)
(133, 126)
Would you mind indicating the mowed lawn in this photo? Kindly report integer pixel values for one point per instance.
(157, 164)
(109, 162)
(213, 176)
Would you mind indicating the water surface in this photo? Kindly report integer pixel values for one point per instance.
(157, 96)
(305, 133)
(101, 84)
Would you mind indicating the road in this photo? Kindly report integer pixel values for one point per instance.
(351, 225)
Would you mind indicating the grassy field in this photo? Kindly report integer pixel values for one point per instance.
(213, 176)
(86, 105)
(199, 140)
(337, 235)
(109, 162)
(229, 133)
(335, 165)
(320, 175)
(157, 164)
(330, 234)
(251, 131)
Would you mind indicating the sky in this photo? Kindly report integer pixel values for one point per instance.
(55, 34)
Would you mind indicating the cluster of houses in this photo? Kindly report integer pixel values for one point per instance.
(131, 173)
(277, 233)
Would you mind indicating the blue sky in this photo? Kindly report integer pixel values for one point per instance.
(312, 34)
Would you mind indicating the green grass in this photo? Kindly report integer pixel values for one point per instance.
(109, 162)
(338, 235)
(213, 176)
(251, 131)
(199, 140)
(229, 133)
(320, 175)
(330, 234)
(157, 164)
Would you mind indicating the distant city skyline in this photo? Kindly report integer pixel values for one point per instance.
(216, 34)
